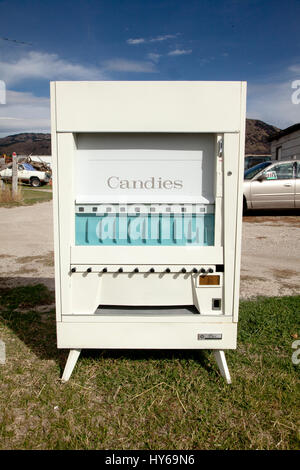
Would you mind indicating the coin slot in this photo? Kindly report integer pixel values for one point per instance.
(216, 304)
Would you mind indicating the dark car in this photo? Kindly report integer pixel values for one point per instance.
(253, 160)
(251, 172)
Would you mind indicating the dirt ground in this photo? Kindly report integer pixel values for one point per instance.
(270, 250)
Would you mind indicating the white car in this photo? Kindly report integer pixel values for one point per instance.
(27, 174)
(272, 185)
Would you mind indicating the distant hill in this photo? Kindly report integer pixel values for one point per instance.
(257, 133)
(25, 144)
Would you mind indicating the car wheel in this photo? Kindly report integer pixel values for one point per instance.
(35, 182)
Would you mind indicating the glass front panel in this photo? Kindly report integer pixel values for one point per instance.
(145, 189)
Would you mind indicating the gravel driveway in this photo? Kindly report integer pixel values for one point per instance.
(270, 250)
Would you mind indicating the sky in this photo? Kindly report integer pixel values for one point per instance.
(253, 40)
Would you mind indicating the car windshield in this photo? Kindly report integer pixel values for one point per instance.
(249, 174)
(28, 167)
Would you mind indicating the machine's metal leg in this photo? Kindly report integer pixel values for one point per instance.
(71, 363)
(2, 352)
(221, 361)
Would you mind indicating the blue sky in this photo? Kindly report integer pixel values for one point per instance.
(253, 40)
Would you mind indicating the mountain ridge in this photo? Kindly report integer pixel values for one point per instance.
(26, 143)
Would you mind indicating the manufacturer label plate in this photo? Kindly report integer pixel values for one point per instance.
(209, 336)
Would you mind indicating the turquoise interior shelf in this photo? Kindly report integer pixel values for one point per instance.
(144, 230)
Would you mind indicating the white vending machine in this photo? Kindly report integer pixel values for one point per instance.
(147, 192)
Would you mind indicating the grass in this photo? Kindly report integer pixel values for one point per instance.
(46, 187)
(6, 196)
(27, 196)
(148, 399)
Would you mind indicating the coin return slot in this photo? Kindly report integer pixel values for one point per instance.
(216, 304)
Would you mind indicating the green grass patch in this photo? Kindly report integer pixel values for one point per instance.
(44, 187)
(148, 399)
(30, 196)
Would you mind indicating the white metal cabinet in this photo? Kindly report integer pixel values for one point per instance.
(147, 214)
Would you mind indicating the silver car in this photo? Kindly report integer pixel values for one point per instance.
(275, 187)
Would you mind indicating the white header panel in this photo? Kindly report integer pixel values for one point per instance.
(148, 106)
(140, 168)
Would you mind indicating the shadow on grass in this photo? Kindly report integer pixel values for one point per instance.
(27, 310)
(199, 356)
(37, 329)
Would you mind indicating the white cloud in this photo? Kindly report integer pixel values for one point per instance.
(163, 37)
(272, 103)
(40, 65)
(295, 68)
(24, 112)
(125, 65)
(135, 41)
(153, 56)
(180, 52)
